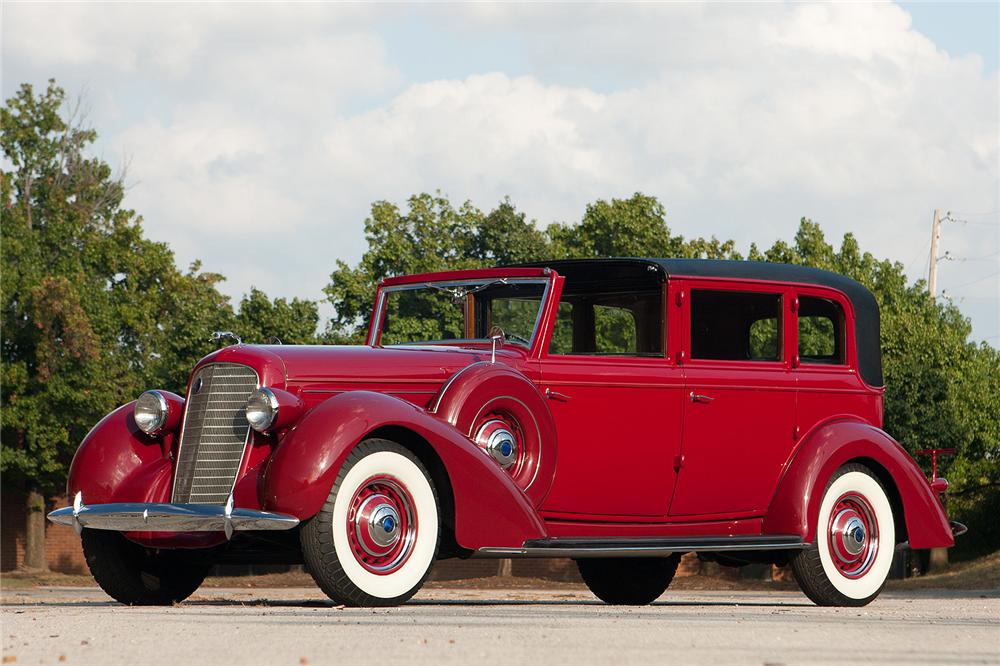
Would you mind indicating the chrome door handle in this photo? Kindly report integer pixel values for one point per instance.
(553, 395)
(697, 397)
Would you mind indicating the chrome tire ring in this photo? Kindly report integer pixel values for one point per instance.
(382, 525)
(855, 535)
(385, 559)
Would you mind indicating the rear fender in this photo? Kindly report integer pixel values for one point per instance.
(794, 509)
(489, 509)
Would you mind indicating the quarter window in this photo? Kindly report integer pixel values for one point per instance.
(821, 331)
(735, 325)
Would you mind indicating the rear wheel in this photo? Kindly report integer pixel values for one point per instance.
(848, 561)
(376, 537)
(628, 581)
(139, 576)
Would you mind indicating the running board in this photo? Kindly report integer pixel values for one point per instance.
(643, 547)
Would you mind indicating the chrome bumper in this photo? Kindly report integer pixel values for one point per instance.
(129, 517)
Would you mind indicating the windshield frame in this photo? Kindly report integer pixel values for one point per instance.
(378, 320)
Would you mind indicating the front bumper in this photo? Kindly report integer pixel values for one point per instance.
(138, 517)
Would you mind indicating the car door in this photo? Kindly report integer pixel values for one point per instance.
(617, 403)
(739, 406)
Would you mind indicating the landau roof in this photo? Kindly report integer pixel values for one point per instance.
(637, 269)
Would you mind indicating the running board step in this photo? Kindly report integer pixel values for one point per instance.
(643, 547)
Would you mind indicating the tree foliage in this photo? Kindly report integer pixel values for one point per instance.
(93, 312)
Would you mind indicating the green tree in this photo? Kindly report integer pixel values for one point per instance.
(431, 235)
(93, 313)
(261, 320)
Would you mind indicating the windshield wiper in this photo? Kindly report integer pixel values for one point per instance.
(459, 294)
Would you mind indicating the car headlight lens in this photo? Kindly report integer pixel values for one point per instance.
(262, 409)
(151, 412)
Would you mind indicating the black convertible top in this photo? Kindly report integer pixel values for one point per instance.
(636, 269)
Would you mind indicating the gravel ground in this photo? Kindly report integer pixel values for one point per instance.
(51, 625)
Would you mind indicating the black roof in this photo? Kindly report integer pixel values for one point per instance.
(866, 314)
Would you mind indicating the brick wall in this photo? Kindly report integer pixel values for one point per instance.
(62, 545)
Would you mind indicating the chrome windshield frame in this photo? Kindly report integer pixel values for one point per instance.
(379, 316)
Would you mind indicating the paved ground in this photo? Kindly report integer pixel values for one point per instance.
(298, 626)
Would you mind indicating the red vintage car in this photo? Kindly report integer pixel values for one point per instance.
(620, 412)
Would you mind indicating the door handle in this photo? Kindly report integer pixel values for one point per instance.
(697, 397)
(553, 395)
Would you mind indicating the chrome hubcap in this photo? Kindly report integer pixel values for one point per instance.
(853, 535)
(382, 525)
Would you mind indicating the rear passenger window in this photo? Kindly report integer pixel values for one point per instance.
(735, 325)
(608, 323)
(821, 331)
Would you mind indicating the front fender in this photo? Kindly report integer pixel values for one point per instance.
(117, 462)
(489, 508)
(794, 509)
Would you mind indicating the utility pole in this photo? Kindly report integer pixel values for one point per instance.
(938, 556)
(935, 241)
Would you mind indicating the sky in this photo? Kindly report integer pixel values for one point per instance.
(256, 136)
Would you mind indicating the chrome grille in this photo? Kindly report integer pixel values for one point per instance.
(215, 433)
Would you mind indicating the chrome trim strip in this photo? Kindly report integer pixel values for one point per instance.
(128, 517)
(440, 395)
(642, 548)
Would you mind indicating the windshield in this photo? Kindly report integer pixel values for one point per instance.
(455, 311)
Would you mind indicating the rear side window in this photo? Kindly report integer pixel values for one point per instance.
(821, 331)
(593, 323)
(735, 325)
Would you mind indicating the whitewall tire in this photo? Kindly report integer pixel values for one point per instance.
(375, 539)
(848, 562)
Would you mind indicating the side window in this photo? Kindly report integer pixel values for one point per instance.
(735, 325)
(821, 331)
(615, 330)
(609, 324)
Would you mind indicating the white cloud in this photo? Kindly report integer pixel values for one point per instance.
(260, 134)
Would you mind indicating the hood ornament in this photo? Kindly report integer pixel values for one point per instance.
(221, 335)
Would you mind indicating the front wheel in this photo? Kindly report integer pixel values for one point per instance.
(628, 581)
(139, 576)
(849, 559)
(376, 537)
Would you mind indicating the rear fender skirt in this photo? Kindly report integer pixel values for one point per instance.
(794, 508)
(489, 508)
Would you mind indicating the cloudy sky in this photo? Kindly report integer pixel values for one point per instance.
(257, 135)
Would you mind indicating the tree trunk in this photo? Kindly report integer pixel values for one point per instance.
(34, 532)
(939, 559)
(506, 568)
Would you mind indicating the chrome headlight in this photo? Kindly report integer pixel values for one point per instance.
(151, 412)
(262, 409)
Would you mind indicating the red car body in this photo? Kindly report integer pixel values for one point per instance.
(668, 451)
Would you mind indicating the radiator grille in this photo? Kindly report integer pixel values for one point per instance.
(215, 433)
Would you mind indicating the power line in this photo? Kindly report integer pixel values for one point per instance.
(992, 212)
(967, 284)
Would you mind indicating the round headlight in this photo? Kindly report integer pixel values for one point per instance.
(151, 412)
(262, 409)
